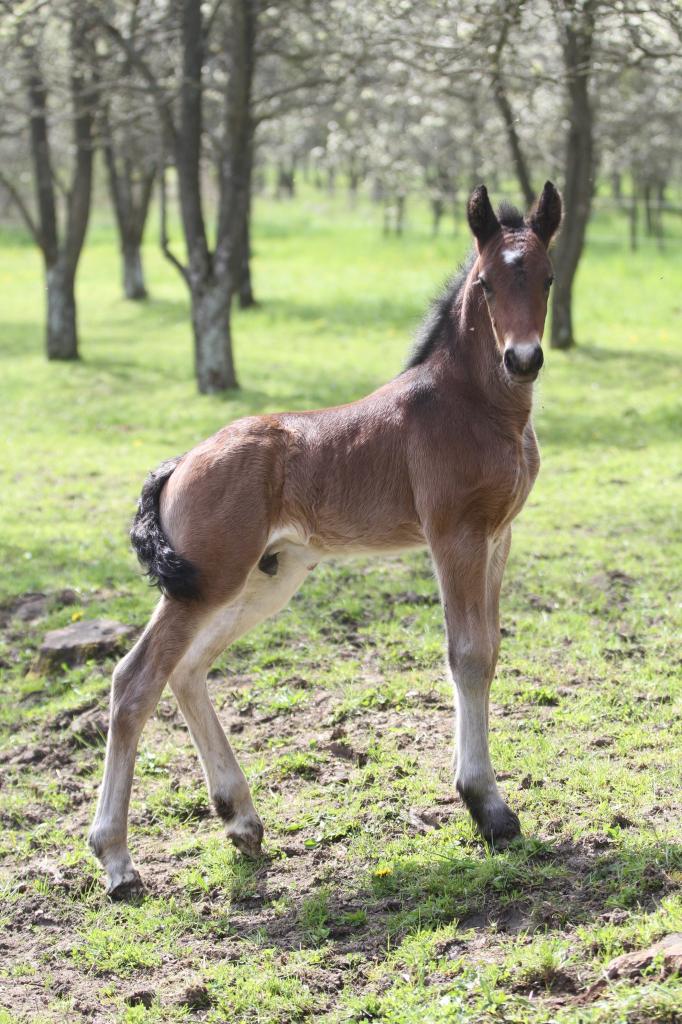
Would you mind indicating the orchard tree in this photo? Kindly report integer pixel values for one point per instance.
(49, 59)
(209, 103)
(179, 94)
(131, 146)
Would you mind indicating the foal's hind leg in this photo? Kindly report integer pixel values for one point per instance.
(228, 789)
(137, 683)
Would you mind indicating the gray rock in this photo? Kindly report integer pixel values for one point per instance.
(31, 607)
(90, 728)
(81, 642)
(26, 608)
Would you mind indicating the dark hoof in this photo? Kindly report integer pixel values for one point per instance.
(248, 838)
(500, 827)
(496, 822)
(127, 891)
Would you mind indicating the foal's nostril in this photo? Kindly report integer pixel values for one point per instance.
(510, 360)
(522, 360)
(536, 360)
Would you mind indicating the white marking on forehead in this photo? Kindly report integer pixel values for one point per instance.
(512, 256)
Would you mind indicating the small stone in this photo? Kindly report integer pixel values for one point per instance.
(195, 997)
(66, 716)
(82, 641)
(620, 821)
(30, 607)
(43, 920)
(668, 951)
(31, 755)
(90, 727)
(423, 820)
(345, 751)
(142, 998)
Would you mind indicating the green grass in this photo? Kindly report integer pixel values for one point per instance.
(339, 709)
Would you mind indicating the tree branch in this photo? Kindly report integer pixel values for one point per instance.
(164, 240)
(135, 59)
(507, 114)
(22, 207)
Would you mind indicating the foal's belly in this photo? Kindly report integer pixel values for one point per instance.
(349, 541)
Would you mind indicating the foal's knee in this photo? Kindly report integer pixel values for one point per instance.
(186, 678)
(131, 703)
(471, 664)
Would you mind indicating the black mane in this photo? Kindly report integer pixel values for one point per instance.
(434, 326)
(439, 316)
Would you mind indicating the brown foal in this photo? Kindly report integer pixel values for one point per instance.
(444, 455)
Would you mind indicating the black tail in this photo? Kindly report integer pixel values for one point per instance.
(172, 574)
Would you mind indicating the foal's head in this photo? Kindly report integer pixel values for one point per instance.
(514, 275)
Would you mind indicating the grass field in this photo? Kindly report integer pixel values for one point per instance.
(375, 901)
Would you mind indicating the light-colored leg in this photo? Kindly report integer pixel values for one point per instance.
(262, 597)
(137, 683)
(470, 568)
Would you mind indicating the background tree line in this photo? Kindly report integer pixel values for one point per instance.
(415, 97)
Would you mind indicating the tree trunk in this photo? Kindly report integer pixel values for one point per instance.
(660, 202)
(648, 217)
(579, 174)
(437, 208)
(286, 182)
(130, 214)
(212, 337)
(617, 188)
(633, 217)
(241, 270)
(245, 287)
(353, 182)
(399, 215)
(133, 275)
(62, 336)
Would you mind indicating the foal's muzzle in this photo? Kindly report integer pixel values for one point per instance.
(522, 362)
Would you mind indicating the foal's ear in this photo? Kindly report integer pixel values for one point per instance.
(546, 216)
(482, 219)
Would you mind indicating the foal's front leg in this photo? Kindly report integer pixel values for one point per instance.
(470, 571)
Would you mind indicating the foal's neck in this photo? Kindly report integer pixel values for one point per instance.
(476, 351)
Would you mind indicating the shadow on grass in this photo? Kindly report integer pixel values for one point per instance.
(627, 374)
(627, 429)
(375, 312)
(532, 887)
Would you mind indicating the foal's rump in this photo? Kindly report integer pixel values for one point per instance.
(174, 575)
(203, 519)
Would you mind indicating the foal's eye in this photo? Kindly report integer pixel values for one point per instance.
(548, 283)
(484, 285)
